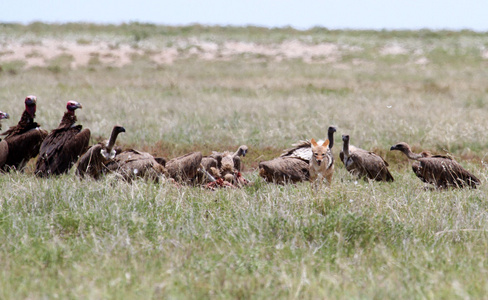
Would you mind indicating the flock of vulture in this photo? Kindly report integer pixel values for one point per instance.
(68, 144)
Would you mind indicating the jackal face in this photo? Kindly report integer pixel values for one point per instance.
(319, 152)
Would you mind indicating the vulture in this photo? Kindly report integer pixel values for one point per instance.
(3, 146)
(364, 164)
(441, 171)
(184, 168)
(62, 147)
(22, 141)
(226, 165)
(93, 162)
(294, 163)
(131, 164)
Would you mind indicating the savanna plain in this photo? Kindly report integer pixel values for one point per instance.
(196, 88)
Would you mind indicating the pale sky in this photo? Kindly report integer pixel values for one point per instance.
(301, 14)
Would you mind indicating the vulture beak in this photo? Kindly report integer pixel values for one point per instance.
(73, 105)
(332, 129)
(394, 147)
(345, 137)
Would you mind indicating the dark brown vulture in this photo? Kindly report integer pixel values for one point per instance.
(22, 141)
(63, 146)
(364, 164)
(131, 164)
(184, 168)
(441, 171)
(93, 162)
(3, 145)
(294, 163)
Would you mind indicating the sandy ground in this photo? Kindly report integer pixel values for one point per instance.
(42, 53)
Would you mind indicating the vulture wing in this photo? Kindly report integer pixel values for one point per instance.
(132, 163)
(3, 152)
(284, 169)
(61, 149)
(184, 168)
(301, 150)
(92, 162)
(22, 147)
(371, 165)
(444, 172)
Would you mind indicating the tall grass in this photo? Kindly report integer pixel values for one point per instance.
(66, 238)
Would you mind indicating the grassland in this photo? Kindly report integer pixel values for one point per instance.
(66, 238)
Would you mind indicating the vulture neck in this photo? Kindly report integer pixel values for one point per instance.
(345, 148)
(111, 141)
(26, 119)
(408, 152)
(26, 123)
(68, 119)
(330, 137)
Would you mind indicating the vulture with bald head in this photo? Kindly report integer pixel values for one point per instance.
(364, 164)
(93, 162)
(440, 171)
(293, 164)
(64, 145)
(22, 141)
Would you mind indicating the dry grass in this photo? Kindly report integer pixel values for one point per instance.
(65, 238)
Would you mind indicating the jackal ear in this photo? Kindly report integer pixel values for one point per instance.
(326, 143)
(314, 143)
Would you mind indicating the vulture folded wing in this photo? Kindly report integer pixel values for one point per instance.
(184, 168)
(443, 172)
(132, 163)
(375, 167)
(284, 169)
(301, 150)
(24, 146)
(61, 150)
(3, 152)
(91, 163)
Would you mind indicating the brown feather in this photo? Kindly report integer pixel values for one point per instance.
(284, 170)
(62, 147)
(184, 168)
(93, 162)
(441, 171)
(131, 164)
(364, 164)
(24, 141)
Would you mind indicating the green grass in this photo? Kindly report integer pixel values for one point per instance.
(66, 238)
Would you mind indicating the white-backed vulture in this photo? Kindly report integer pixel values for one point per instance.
(184, 169)
(22, 141)
(294, 163)
(441, 171)
(64, 145)
(131, 164)
(364, 164)
(93, 162)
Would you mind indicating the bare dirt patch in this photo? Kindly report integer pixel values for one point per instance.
(41, 53)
